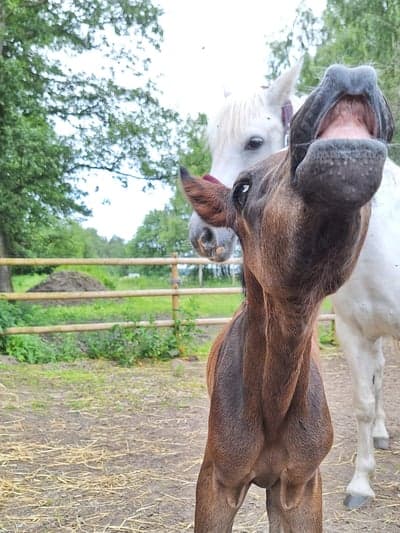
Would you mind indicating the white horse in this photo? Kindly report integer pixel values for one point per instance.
(367, 306)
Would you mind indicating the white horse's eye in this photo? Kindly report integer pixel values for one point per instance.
(254, 143)
(245, 187)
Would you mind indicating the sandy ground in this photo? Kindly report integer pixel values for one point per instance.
(92, 447)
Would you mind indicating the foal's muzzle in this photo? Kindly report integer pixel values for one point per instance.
(339, 88)
(341, 173)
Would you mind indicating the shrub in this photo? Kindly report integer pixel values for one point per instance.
(125, 346)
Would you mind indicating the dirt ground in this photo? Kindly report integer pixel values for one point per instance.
(92, 447)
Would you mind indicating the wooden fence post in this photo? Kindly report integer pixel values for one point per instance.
(175, 281)
(200, 275)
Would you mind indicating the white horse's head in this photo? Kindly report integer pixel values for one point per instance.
(247, 129)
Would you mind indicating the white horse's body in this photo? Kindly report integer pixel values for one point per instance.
(367, 306)
(367, 309)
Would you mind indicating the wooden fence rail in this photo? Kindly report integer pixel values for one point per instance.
(175, 293)
(174, 260)
(88, 295)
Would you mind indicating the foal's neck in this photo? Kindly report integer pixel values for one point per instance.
(280, 334)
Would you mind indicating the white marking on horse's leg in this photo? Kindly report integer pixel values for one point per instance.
(361, 356)
(379, 431)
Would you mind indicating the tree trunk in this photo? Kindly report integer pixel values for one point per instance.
(5, 271)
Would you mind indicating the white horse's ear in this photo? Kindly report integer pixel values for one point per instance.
(282, 89)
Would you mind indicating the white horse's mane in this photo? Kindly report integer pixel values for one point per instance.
(238, 110)
(234, 115)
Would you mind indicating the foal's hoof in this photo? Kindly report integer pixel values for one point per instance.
(381, 443)
(355, 501)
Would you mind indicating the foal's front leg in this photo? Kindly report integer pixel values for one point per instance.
(304, 517)
(216, 504)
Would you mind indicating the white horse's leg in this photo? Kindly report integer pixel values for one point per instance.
(361, 355)
(379, 431)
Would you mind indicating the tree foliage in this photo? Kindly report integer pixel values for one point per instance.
(165, 231)
(49, 52)
(67, 239)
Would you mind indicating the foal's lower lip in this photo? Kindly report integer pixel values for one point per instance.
(341, 172)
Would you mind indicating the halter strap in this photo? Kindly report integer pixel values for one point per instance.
(286, 115)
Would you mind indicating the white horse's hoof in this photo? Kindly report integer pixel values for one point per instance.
(355, 501)
(381, 443)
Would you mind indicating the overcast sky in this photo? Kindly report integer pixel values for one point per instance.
(208, 45)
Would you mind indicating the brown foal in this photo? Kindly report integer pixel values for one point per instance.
(301, 217)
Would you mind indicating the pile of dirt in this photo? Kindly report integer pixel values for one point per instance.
(67, 281)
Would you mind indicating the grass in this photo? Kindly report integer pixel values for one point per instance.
(129, 309)
(50, 375)
(24, 282)
(92, 385)
(141, 308)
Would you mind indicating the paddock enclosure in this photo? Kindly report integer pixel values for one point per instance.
(92, 447)
(174, 293)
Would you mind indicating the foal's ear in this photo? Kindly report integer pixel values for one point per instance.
(210, 199)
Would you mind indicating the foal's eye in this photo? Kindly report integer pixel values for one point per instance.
(254, 143)
(240, 193)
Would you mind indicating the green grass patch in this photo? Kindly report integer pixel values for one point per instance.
(75, 375)
(39, 405)
(24, 282)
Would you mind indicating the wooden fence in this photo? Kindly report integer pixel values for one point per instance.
(175, 292)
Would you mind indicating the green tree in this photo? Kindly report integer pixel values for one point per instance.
(194, 153)
(116, 247)
(300, 41)
(107, 125)
(166, 231)
(67, 238)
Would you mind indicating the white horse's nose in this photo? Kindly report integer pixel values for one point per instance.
(216, 244)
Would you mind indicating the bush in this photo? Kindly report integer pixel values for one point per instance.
(118, 344)
(128, 346)
(29, 348)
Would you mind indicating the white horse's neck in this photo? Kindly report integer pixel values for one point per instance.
(389, 190)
